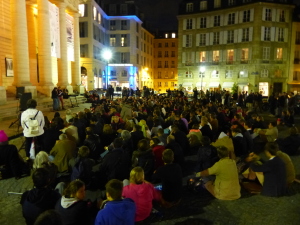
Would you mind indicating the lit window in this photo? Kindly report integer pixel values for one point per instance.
(245, 55)
(279, 54)
(95, 13)
(216, 56)
(112, 40)
(202, 56)
(166, 35)
(81, 9)
(281, 34)
(215, 74)
(264, 73)
(173, 35)
(230, 55)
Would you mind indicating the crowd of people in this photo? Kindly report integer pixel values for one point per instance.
(134, 148)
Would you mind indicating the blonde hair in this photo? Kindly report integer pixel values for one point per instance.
(136, 175)
(40, 158)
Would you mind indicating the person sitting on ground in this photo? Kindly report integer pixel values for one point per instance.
(42, 161)
(157, 149)
(224, 140)
(59, 121)
(271, 133)
(72, 207)
(117, 124)
(93, 142)
(290, 144)
(49, 217)
(176, 148)
(205, 128)
(116, 210)
(207, 155)
(40, 198)
(144, 158)
(9, 156)
(136, 135)
(141, 192)
(170, 175)
(63, 151)
(274, 171)
(239, 142)
(51, 135)
(226, 184)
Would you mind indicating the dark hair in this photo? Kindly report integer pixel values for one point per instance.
(49, 217)
(160, 131)
(72, 188)
(118, 142)
(156, 141)
(114, 188)
(272, 147)
(168, 156)
(236, 130)
(83, 152)
(248, 124)
(274, 123)
(205, 141)
(293, 130)
(137, 127)
(41, 177)
(222, 152)
(89, 131)
(143, 145)
(31, 104)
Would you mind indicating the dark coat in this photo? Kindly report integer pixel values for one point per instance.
(95, 145)
(274, 177)
(144, 159)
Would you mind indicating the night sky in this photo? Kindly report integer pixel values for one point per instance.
(161, 14)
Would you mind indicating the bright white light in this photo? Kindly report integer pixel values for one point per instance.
(107, 55)
(202, 69)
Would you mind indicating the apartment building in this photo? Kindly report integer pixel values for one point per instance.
(248, 42)
(118, 29)
(165, 61)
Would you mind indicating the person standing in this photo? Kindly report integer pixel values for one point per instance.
(60, 97)
(111, 92)
(27, 115)
(54, 96)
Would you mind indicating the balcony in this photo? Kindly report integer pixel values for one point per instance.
(229, 62)
(216, 42)
(215, 63)
(265, 61)
(245, 39)
(278, 61)
(244, 61)
(229, 41)
(281, 39)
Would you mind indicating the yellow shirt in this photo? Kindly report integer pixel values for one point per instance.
(226, 185)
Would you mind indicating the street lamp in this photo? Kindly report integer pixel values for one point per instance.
(107, 55)
(202, 72)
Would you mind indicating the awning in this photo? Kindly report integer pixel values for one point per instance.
(198, 84)
(187, 84)
(243, 84)
(214, 84)
(227, 85)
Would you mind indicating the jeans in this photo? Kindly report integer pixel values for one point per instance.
(55, 104)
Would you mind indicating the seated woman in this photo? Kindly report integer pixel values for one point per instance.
(226, 184)
(141, 192)
(72, 207)
(291, 143)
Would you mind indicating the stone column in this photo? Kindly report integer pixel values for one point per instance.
(20, 46)
(44, 48)
(76, 65)
(63, 61)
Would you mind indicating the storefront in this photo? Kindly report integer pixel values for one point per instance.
(243, 87)
(227, 86)
(263, 88)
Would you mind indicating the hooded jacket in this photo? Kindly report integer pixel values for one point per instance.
(36, 201)
(120, 212)
(73, 211)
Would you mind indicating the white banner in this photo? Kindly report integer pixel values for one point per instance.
(70, 37)
(54, 30)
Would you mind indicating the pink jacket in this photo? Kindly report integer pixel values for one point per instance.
(142, 195)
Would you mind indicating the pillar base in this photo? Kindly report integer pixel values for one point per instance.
(70, 89)
(3, 99)
(45, 90)
(32, 90)
(79, 89)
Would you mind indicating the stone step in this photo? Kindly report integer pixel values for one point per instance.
(11, 110)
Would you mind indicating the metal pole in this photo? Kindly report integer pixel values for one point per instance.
(201, 84)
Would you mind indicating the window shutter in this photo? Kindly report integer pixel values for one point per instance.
(237, 54)
(197, 57)
(284, 54)
(285, 30)
(183, 41)
(277, 15)
(209, 56)
(183, 57)
(262, 33)
(191, 40)
(193, 57)
(197, 39)
(272, 33)
(222, 20)
(236, 36)
(241, 13)
(211, 38)
(273, 12)
(264, 14)
(207, 39)
(194, 23)
(287, 16)
(251, 15)
(276, 33)
(225, 33)
(250, 33)
(221, 37)
(234, 54)
(220, 56)
(225, 19)
(236, 17)
(184, 24)
(240, 35)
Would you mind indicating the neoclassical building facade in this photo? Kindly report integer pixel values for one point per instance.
(40, 46)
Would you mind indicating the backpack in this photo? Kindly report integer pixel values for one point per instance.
(33, 125)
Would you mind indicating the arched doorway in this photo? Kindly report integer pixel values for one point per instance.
(84, 77)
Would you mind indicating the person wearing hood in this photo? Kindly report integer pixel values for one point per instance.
(72, 207)
(141, 192)
(116, 210)
(40, 198)
(126, 109)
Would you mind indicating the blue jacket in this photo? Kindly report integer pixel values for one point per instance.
(117, 212)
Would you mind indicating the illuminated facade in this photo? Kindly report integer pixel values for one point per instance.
(165, 61)
(119, 30)
(245, 42)
(39, 46)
